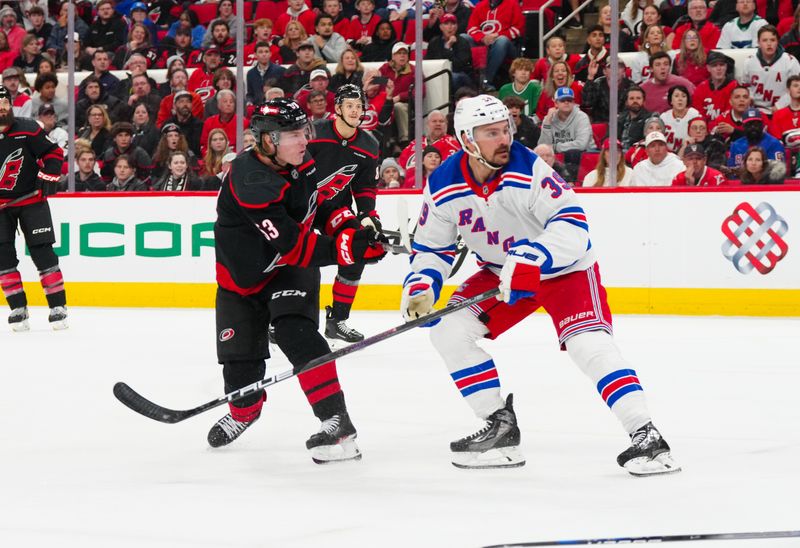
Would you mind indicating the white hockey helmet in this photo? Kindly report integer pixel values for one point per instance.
(475, 112)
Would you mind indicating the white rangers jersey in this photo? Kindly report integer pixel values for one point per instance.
(639, 65)
(676, 130)
(526, 207)
(734, 35)
(767, 82)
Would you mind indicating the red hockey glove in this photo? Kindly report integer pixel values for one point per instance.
(47, 183)
(358, 246)
(339, 220)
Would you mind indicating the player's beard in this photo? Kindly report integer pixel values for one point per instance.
(495, 157)
(7, 119)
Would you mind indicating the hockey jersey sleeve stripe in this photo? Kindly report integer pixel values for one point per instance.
(56, 154)
(447, 255)
(300, 254)
(571, 221)
(449, 190)
(449, 250)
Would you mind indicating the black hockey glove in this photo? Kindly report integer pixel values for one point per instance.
(47, 183)
(359, 247)
(371, 220)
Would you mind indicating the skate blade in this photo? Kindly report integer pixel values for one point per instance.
(504, 457)
(344, 451)
(59, 325)
(19, 327)
(661, 464)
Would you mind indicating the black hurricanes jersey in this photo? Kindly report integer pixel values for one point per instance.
(24, 150)
(264, 221)
(349, 167)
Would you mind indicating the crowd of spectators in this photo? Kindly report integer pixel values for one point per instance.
(684, 119)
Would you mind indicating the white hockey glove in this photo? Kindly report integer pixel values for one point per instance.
(519, 278)
(418, 297)
(371, 219)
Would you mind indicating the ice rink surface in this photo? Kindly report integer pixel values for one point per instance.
(80, 470)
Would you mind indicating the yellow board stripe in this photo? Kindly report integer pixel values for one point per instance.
(623, 300)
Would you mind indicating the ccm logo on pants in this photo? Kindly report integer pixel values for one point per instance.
(288, 293)
(41, 230)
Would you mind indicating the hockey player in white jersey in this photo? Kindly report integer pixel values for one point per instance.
(530, 237)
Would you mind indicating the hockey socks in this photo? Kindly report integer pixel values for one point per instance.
(344, 293)
(616, 382)
(322, 389)
(53, 285)
(249, 413)
(471, 368)
(11, 282)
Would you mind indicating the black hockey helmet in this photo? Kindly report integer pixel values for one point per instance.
(276, 116)
(350, 91)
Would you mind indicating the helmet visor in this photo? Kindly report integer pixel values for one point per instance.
(290, 137)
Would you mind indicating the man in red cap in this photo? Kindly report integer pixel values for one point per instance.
(697, 172)
(455, 48)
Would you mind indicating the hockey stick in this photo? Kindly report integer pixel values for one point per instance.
(402, 220)
(19, 199)
(143, 406)
(656, 539)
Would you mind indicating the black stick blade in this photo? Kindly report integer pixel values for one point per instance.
(136, 402)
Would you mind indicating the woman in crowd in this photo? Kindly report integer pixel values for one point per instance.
(6, 55)
(601, 175)
(30, 55)
(139, 41)
(637, 152)
(96, 130)
(223, 79)
(380, 49)
(178, 175)
(172, 140)
(676, 119)
(653, 41)
(188, 20)
(391, 174)
(348, 71)
(45, 65)
(757, 170)
(294, 36)
(431, 159)
(125, 176)
(218, 146)
(650, 16)
(558, 76)
(174, 64)
(691, 60)
(145, 133)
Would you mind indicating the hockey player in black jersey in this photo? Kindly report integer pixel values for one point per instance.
(268, 257)
(31, 168)
(348, 157)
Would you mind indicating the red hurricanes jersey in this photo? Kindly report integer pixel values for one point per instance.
(783, 122)
(710, 177)
(712, 103)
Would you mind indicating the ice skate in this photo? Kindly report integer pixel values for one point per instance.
(649, 454)
(335, 441)
(18, 319)
(58, 318)
(496, 445)
(339, 330)
(226, 430)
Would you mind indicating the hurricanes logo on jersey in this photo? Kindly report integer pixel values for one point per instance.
(336, 182)
(10, 170)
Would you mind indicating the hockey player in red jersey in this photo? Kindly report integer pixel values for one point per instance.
(268, 253)
(531, 238)
(347, 156)
(30, 172)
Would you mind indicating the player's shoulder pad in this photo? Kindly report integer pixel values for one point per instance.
(367, 141)
(448, 174)
(27, 126)
(254, 184)
(323, 129)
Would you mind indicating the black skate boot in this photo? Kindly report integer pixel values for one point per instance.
(649, 454)
(58, 318)
(338, 329)
(226, 430)
(335, 441)
(496, 445)
(18, 319)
